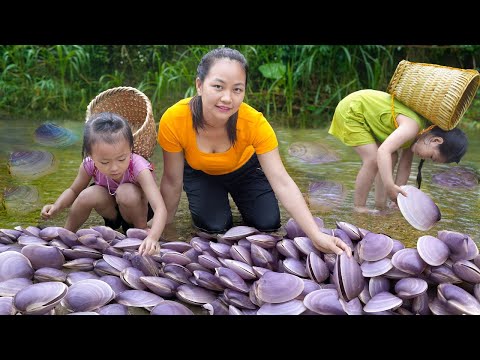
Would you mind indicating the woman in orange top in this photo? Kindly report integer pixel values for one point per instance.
(214, 144)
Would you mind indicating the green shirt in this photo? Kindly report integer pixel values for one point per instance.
(365, 117)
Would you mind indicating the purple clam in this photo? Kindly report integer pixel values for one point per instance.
(376, 268)
(457, 177)
(115, 283)
(195, 295)
(87, 295)
(238, 232)
(11, 286)
(208, 280)
(31, 164)
(457, 300)
(408, 288)
(40, 298)
(263, 240)
(377, 285)
(51, 134)
(418, 208)
(461, 246)
(432, 250)
(244, 270)
(374, 247)
(467, 271)
(168, 307)
(287, 248)
(231, 279)
(381, 302)
(131, 277)
(44, 256)
(240, 253)
(21, 199)
(351, 230)
(316, 268)
(80, 264)
(138, 298)
(325, 195)
(113, 309)
(238, 299)
(295, 267)
(348, 277)
(49, 274)
(409, 260)
(135, 233)
(275, 287)
(77, 276)
(145, 264)
(312, 152)
(325, 302)
(292, 307)
(6, 306)
(13, 265)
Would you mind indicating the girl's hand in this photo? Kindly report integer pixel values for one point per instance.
(393, 192)
(48, 211)
(149, 246)
(330, 244)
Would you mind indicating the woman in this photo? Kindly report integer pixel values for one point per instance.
(215, 145)
(377, 126)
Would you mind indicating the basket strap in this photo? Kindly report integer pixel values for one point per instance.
(396, 123)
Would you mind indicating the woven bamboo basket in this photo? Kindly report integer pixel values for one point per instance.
(441, 94)
(136, 108)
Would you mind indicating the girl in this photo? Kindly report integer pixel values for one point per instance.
(377, 126)
(124, 190)
(214, 145)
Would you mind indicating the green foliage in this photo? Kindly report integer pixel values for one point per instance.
(298, 85)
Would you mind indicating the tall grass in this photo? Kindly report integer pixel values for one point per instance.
(298, 85)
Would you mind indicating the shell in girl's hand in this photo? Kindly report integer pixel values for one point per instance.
(418, 208)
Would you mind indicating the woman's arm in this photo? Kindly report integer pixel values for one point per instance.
(69, 195)
(406, 131)
(147, 182)
(292, 200)
(172, 181)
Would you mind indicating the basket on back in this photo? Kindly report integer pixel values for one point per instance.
(441, 94)
(136, 108)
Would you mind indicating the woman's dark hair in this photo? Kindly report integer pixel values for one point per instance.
(453, 148)
(106, 127)
(202, 71)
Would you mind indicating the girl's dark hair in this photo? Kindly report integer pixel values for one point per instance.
(202, 71)
(106, 127)
(453, 148)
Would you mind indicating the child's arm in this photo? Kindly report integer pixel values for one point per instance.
(404, 167)
(406, 131)
(68, 196)
(172, 181)
(147, 182)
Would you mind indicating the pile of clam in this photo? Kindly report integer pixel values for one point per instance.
(242, 272)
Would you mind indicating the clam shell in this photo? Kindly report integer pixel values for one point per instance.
(418, 208)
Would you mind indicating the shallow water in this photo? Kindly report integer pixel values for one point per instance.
(459, 208)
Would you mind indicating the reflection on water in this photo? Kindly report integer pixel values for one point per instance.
(459, 207)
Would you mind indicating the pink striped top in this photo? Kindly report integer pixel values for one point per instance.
(137, 164)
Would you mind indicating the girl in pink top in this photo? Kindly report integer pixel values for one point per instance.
(124, 191)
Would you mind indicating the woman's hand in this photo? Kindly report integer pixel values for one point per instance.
(149, 246)
(330, 244)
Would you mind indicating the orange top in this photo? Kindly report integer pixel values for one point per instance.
(254, 135)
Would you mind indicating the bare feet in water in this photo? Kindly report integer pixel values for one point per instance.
(365, 210)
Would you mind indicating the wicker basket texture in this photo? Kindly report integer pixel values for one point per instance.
(136, 108)
(441, 94)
